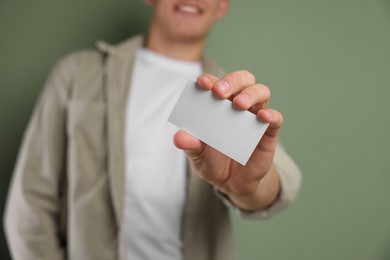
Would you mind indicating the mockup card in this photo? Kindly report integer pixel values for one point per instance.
(217, 122)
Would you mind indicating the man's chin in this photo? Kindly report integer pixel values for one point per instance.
(190, 37)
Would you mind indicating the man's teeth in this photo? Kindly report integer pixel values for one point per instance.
(188, 9)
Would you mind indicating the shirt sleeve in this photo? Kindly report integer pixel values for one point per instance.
(32, 214)
(290, 180)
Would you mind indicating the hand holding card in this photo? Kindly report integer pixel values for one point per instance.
(230, 136)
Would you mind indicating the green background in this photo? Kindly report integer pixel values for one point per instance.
(328, 66)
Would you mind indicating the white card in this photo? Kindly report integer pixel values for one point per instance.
(217, 122)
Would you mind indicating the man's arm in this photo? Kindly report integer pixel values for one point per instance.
(32, 214)
(260, 183)
(264, 194)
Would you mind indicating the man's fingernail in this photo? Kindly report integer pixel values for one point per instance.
(243, 99)
(223, 86)
(269, 113)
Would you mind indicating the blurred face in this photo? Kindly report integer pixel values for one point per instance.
(187, 20)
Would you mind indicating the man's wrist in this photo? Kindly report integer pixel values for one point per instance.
(264, 195)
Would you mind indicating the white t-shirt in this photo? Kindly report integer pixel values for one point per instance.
(155, 168)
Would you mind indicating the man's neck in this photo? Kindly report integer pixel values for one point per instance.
(179, 50)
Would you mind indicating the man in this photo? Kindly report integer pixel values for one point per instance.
(98, 176)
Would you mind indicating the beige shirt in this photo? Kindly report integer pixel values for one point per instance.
(66, 196)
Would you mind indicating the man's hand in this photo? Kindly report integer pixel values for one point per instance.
(256, 185)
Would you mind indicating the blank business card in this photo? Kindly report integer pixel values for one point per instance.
(217, 122)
